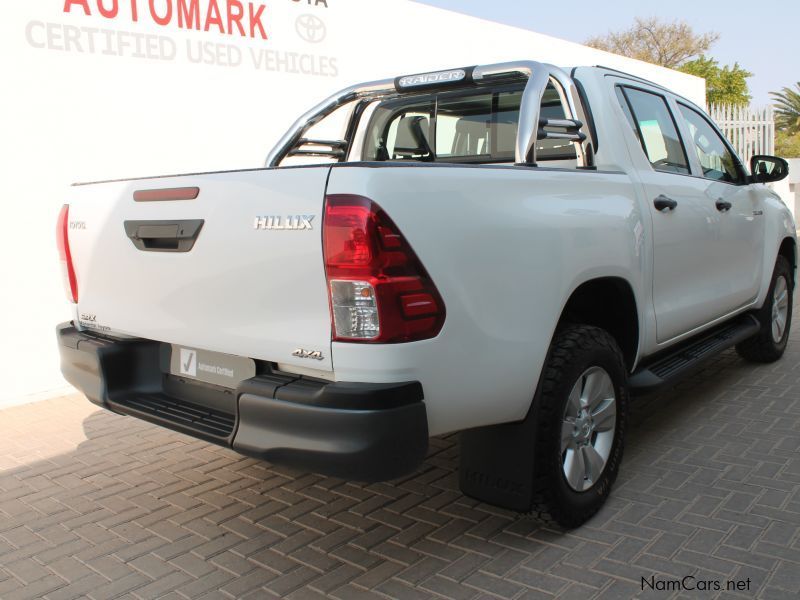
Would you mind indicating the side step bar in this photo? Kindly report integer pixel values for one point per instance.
(667, 369)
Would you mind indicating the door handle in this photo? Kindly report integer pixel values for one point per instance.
(164, 236)
(663, 202)
(723, 206)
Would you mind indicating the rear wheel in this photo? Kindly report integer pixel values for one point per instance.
(587, 428)
(579, 419)
(775, 317)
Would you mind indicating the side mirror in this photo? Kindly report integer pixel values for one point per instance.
(767, 168)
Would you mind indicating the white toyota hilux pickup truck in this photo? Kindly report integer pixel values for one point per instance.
(508, 251)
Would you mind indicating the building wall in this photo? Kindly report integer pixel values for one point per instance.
(91, 97)
(789, 188)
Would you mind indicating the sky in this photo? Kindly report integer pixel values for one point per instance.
(762, 38)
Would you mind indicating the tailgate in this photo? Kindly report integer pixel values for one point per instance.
(237, 270)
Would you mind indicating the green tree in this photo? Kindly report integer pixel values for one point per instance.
(786, 145)
(787, 109)
(675, 45)
(669, 44)
(724, 85)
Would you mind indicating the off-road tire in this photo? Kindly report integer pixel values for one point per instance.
(762, 348)
(574, 349)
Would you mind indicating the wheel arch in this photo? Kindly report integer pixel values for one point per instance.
(608, 303)
(788, 249)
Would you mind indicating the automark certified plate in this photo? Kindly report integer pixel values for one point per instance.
(225, 370)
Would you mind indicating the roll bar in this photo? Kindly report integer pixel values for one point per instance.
(530, 129)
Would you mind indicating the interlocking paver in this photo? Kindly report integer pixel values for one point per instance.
(96, 505)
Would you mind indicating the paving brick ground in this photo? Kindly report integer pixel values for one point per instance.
(100, 506)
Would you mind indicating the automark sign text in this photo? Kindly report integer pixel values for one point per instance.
(231, 17)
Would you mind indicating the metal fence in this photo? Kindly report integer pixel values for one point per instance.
(751, 130)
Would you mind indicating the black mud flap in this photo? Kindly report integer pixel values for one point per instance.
(497, 464)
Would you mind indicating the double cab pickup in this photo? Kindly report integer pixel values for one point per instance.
(510, 251)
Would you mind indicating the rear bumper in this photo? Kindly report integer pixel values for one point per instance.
(357, 431)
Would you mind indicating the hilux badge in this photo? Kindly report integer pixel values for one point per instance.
(291, 222)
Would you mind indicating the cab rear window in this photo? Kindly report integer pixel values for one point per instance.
(476, 126)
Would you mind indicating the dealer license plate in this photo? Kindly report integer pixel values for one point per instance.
(225, 370)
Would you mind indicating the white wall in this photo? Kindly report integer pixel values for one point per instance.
(78, 110)
(789, 188)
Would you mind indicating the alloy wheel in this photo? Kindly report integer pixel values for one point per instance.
(587, 429)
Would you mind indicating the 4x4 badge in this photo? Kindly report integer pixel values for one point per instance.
(315, 354)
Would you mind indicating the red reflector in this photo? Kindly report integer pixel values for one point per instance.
(418, 305)
(164, 195)
(62, 240)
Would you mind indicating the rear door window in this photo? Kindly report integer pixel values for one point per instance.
(656, 130)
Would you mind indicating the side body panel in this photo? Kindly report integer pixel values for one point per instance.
(742, 244)
(707, 263)
(505, 246)
(779, 225)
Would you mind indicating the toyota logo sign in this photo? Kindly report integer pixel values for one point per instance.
(310, 28)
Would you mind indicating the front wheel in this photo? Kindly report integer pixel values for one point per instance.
(580, 417)
(775, 317)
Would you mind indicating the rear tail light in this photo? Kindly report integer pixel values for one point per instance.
(379, 290)
(62, 239)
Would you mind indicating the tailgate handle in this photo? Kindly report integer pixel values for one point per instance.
(164, 236)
